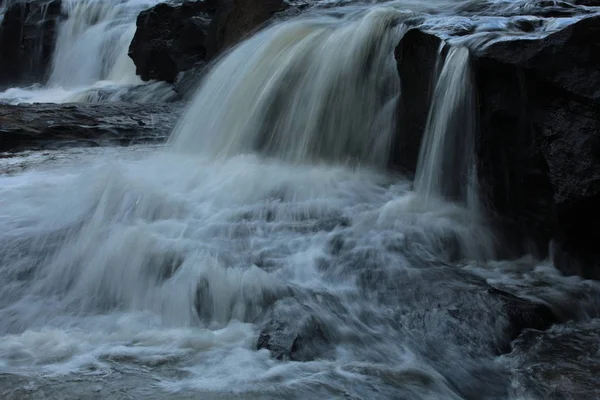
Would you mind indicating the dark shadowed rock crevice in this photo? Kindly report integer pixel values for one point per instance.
(27, 38)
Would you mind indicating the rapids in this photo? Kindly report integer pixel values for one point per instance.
(265, 252)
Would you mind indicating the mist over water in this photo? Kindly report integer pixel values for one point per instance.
(156, 271)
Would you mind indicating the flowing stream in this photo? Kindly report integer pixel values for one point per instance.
(265, 252)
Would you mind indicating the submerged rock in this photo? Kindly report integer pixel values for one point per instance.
(27, 37)
(173, 39)
(43, 126)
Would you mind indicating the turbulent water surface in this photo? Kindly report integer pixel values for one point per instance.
(269, 221)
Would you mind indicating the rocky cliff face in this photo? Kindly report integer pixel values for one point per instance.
(27, 37)
(538, 147)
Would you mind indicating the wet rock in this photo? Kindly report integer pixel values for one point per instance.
(236, 19)
(43, 126)
(27, 38)
(539, 150)
(448, 302)
(173, 39)
(416, 57)
(170, 39)
(293, 331)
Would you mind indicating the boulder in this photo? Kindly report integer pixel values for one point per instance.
(170, 39)
(174, 39)
(27, 38)
(46, 126)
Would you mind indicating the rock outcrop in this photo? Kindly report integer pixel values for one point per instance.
(27, 38)
(44, 126)
(170, 39)
(538, 147)
(176, 38)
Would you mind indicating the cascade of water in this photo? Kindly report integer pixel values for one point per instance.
(309, 90)
(93, 42)
(90, 61)
(446, 167)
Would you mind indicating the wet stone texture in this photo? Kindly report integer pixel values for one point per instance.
(48, 126)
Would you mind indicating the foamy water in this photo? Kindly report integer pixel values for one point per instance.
(155, 272)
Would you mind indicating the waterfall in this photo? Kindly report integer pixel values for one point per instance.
(318, 89)
(90, 62)
(92, 43)
(446, 167)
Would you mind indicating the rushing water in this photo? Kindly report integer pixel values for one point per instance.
(446, 166)
(289, 90)
(90, 61)
(154, 272)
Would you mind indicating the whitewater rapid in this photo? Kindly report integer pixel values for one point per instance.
(158, 271)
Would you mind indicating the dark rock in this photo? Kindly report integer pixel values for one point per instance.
(416, 57)
(27, 38)
(539, 149)
(588, 3)
(236, 19)
(43, 126)
(294, 332)
(560, 363)
(170, 39)
(173, 39)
